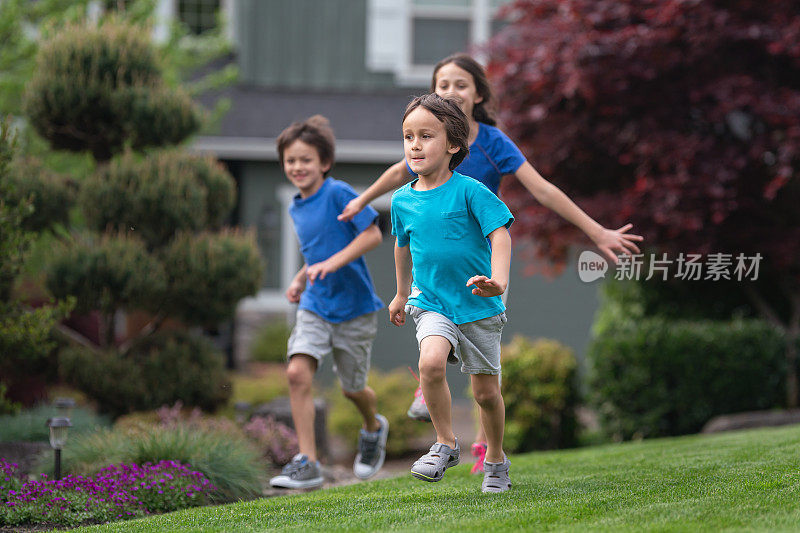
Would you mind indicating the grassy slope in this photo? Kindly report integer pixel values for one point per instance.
(744, 480)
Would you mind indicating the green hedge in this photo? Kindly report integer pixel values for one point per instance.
(654, 376)
(540, 394)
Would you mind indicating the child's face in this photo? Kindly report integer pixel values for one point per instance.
(303, 167)
(455, 83)
(425, 143)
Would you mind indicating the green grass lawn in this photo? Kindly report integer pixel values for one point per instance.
(743, 480)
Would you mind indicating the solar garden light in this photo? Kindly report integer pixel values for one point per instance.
(64, 406)
(59, 427)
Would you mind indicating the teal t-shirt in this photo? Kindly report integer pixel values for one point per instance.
(446, 228)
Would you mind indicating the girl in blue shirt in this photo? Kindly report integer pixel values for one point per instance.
(492, 155)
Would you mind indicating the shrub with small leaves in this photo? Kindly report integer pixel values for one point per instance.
(209, 273)
(51, 194)
(97, 88)
(159, 369)
(105, 272)
(540, 394)
(152, 198)
(658, 376)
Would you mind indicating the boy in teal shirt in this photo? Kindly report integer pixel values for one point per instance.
(442, 221)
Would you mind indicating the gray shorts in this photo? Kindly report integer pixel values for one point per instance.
(350, 342)
(476, 344)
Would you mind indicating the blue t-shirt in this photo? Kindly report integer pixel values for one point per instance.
(348, 292)
(446, 228)
(491, 156)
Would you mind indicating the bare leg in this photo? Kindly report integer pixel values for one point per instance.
(432, 365)
(300, 372)
(480, 436)
(366, 402)
(486, 389)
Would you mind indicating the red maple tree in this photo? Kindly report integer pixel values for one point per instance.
(681, 116)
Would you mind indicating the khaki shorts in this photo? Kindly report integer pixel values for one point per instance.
(476, 344)
(349, 342)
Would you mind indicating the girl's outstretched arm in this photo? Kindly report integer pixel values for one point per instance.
(394, 177)
(608, 241)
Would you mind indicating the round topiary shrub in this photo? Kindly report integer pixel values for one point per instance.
(540, 393)
(209, 273)
(153, 198)
(97, 88)
(104, 272)
(159, 369)
(52, 195)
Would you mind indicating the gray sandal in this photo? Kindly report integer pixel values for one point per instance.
(431, 466)
(495, 476)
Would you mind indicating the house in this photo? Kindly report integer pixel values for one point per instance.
(357, 62)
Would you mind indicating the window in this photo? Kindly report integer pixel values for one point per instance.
(409, 37)
(199, 16)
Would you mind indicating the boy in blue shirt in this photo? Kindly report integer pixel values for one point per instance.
(442, 221)
(337, 301)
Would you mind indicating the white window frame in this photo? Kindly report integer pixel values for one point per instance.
(390, 34)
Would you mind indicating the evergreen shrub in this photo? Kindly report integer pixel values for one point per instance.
(209, 273)
(157, 370)
(657, 376)
(540, 394)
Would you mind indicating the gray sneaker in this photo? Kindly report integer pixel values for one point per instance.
(418, 409)
(371, 450)
(431, 466)
(300, 473)
(495, 476)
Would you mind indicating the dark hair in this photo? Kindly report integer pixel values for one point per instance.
(315, 131)
(482, 111)
(455, 122)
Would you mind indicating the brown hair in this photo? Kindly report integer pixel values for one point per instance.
(482, 111)
(315, 131)
(455, 122)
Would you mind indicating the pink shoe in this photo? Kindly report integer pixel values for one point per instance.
(418, 409)
(479, 453)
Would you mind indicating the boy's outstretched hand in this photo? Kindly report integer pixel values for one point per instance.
(397, 310)
(485, 286)
(611, 241)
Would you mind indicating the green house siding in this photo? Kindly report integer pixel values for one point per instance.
(308, 44)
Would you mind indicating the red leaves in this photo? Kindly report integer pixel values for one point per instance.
(684, 112)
